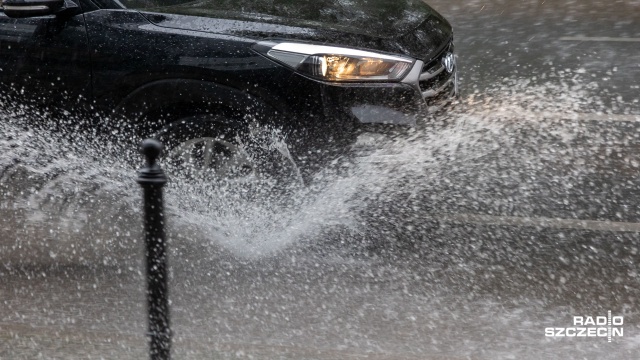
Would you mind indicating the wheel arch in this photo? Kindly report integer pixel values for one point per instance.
(155, 104)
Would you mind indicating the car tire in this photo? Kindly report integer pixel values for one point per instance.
(220, 149)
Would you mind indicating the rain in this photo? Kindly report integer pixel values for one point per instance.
(510, 211)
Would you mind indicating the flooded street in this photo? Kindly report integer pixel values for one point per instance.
(514, 211)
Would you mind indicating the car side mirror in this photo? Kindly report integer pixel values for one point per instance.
(29, 8)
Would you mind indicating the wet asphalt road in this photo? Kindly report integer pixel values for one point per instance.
(470, 262)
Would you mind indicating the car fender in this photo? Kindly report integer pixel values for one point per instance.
(192, 95)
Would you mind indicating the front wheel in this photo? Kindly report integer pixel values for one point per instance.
(214, 148)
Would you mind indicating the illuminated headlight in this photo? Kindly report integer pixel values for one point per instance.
(333, 63)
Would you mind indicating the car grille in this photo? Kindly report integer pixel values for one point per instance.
(434, 78)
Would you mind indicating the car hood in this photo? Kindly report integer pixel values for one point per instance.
(401, 26)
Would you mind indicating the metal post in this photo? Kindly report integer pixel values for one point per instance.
(152, 179)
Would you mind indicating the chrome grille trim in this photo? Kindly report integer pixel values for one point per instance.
(428, 75)
(434, 92)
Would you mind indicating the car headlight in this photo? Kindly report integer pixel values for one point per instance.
(332, 63)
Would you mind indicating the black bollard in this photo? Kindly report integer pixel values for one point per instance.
(152, 179)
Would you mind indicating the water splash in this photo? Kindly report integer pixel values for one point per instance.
(84, 189)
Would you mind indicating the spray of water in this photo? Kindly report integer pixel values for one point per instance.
(71, 187)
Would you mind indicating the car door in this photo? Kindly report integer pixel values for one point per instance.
(44, 60)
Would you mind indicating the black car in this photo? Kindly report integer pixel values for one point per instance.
(203, 75)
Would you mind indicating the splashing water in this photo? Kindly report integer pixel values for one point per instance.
(85, 189)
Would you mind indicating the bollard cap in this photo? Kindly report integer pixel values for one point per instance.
(151, 173)
(151, 149)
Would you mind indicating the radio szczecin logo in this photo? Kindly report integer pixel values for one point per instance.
(590, 326)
